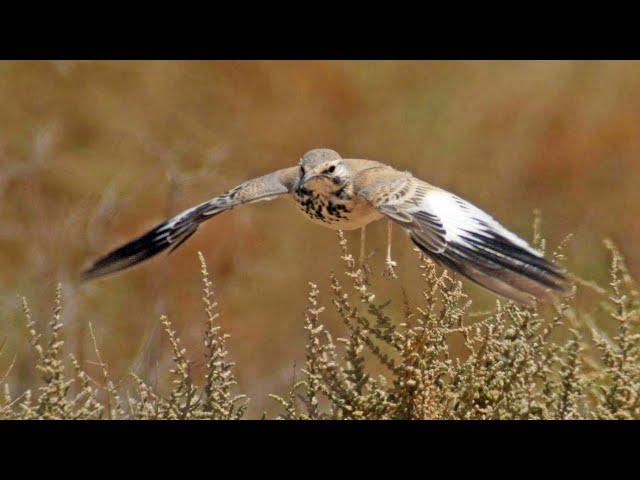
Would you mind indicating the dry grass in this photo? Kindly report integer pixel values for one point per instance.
(551, 362)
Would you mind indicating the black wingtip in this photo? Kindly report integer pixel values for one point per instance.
(142, 248)
(502, 267)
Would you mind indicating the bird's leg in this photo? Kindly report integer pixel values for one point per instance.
(363, 253)
(389, 271)
(363, 236)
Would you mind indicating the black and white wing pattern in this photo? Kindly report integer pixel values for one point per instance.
(171, 233)
(462, 237)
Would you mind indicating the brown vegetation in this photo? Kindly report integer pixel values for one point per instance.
(516, 362)
(94, 153)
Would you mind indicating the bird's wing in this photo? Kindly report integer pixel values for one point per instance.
(460, 236)
(356, 165)
(171, 233)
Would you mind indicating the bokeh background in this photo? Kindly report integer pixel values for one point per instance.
(94, 153)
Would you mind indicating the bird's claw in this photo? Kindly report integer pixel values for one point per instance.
(365, 271)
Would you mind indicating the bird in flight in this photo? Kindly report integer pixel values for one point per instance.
(347, 194)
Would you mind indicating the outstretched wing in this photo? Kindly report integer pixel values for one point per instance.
(462, 237)
(176, 230)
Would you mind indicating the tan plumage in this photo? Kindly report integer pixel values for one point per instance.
(348, 194)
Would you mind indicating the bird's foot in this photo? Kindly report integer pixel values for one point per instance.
(365, 271)
(389, 271)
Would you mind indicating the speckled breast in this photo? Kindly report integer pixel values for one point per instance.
(335, 213)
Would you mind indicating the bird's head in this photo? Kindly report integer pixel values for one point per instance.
(323, 170)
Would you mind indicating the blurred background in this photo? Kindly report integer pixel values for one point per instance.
(95, 153)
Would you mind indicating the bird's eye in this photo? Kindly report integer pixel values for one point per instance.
(331, 169)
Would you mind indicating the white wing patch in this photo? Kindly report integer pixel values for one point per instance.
(459, 218)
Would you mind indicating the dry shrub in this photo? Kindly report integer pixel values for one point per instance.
(548, 362)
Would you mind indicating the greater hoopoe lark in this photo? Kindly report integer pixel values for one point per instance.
(347, 194)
